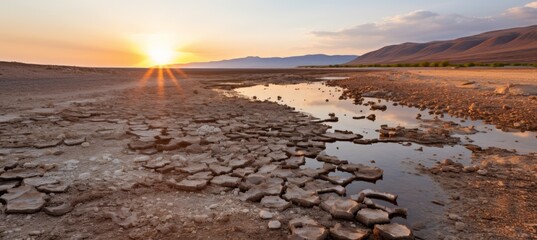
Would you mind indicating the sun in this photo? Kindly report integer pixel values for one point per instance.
(161, 55)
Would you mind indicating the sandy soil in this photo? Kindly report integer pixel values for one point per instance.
(119, 187)
(491, 96)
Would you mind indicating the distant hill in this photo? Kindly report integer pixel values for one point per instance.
(272, 62)
(515, 45)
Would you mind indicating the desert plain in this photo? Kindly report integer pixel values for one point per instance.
(111, 153)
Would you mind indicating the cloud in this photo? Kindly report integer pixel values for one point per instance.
(422, 26)
(527, 12)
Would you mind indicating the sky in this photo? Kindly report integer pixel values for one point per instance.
(142, 33)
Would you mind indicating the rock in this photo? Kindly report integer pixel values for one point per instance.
(340, 208)
(84, 176)
(226, 181)
(74, 141)
(268, 188)
(255, 179)
(294, 162)
(23, 199)
(363, 172)
(469, 169)
(392, 212)
(501, 90)
(194, 168)
(454, 217)
(49, 143)
(265, 214)
(188, 185)
(284, 173)
(307, 228)
(157, 163)
(392, 231)
(85, 144)
(238, 163)
(482, 172)
(301, 197)
(277, 156)
(149, 134)
(299, 181)
(274, 224)
(340, 136)
(19, 173)
(266, 169)
(6, 185)
(59, 210)
(174, 144)
(370, 217)
(321, 186)
(207, 129)
(141, 159)
(392, 198)
(139, 145)
(330, 159)
(39, 181)
(343, 181)
(378, 107)
(340, 232)
(201, 218)
(371, 117)
(201, 175)
(460, 226)
(218, 169)
(124, 218)
(275, 202)
(59, 187)
(243, 172)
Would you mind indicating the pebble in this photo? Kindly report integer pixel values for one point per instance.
(274, 224)
(482, 172)
(85, 144)
(265, 214)
(84, 176)
(460, 226)
(454, 217)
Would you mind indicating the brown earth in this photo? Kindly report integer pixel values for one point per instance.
(505, 98)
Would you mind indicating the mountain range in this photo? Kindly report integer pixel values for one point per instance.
(272, 62)
(514, 45)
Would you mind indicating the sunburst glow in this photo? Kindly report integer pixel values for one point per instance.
(161, 55)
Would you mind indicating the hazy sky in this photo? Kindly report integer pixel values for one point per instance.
(122, 33)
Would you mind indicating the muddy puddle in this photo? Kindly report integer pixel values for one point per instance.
(416, 192)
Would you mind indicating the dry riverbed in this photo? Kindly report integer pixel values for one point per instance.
(107, 154)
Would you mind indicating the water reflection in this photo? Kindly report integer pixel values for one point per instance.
(399, 162)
